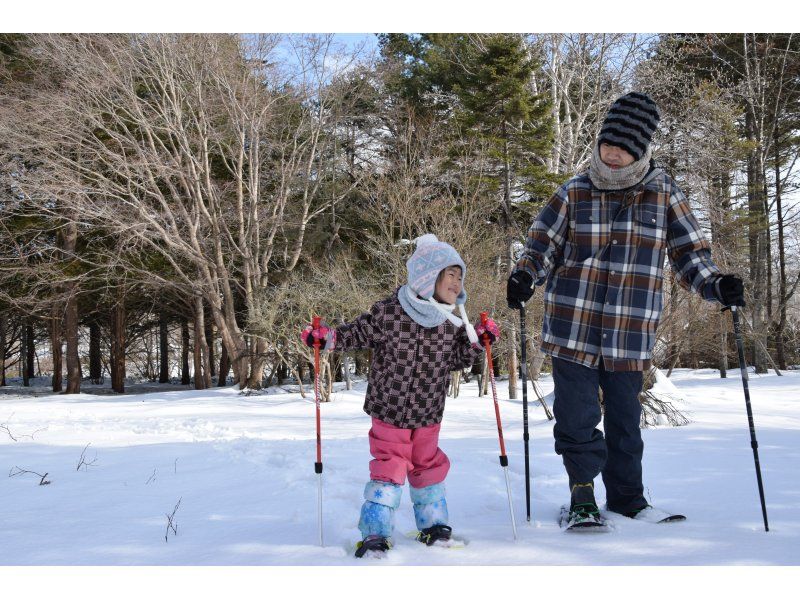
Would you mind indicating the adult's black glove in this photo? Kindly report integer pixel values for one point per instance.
(731, 291)
(519, 289)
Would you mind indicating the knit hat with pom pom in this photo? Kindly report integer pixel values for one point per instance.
(431, 257)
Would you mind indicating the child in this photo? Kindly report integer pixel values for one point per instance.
(416, 342)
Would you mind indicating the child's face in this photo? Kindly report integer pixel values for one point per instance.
(448, 285)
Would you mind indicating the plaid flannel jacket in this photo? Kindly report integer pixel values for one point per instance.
(602, 255)
(410, 370)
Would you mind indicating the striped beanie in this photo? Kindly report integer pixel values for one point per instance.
(630, 124)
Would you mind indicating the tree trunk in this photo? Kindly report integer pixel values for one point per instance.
(197, 360)
(537, 362)
(782, 298)
(185, 378)
(118, 347)
(23, 361)
(757, 235)
(95, 361)
(358, 365)
(56, 347)
(257, 362)
(238, 351)
(768, 245)
(224, 366)
(30, 352)
(71, 338)
(212, 363)
(3, 332)
(202, 376)
(163, 351)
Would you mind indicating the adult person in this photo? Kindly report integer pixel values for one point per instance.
(599, 245)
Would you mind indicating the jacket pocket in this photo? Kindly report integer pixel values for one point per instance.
(587, 233)
(650, 225)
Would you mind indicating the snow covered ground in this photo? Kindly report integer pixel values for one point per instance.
(242, 468)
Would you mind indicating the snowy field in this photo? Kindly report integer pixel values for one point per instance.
(242, 468)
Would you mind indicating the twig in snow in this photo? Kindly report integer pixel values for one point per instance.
(83, 462)
(151, 478)
(42, 481)
(176, 466)
(17, 438)
(171, 525)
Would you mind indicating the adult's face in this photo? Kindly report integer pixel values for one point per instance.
(615, 157)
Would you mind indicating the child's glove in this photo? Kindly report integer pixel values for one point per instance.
(488, 330)
(325, 335)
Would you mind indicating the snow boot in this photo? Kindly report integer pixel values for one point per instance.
(583, 511)
(372, 546)
(377, 513)
(430, 506)
(441, 533)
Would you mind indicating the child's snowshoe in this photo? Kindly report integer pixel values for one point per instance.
(436, 534)
(373, 546)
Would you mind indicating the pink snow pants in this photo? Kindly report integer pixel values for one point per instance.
(399, 452)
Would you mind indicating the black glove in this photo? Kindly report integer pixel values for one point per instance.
(519, 289)
(731, 291)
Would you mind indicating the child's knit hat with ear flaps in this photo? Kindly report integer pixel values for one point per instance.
(431, 257)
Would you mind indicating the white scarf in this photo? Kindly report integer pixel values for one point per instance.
(429, 312)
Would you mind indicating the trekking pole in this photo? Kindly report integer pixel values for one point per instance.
(503, 456)
(318, 465)
(753, 442)
(525, 435)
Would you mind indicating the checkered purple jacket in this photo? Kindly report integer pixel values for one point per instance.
(410, 371)
(602, 255)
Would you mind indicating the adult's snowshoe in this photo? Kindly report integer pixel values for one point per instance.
(583, 514)
(650, 514)
(583, 517)
(373, 546)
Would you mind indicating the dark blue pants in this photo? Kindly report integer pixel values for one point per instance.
(586, 453)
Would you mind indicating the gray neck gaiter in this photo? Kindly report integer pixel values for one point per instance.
(606, 178)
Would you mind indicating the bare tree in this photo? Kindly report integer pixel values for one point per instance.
(583, 74)
(196, 148)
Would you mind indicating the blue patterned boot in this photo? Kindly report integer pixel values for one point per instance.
(430, 513)
(377, 513)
